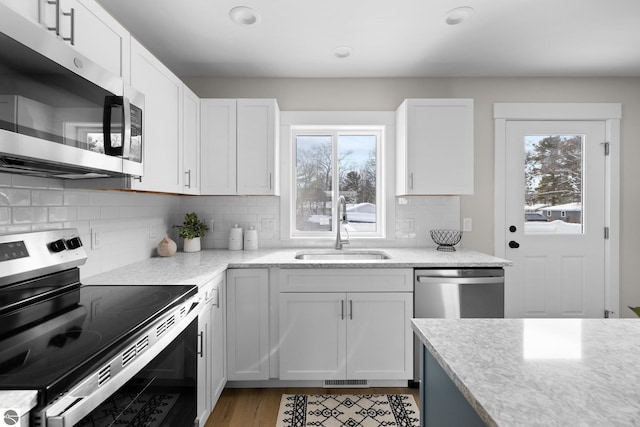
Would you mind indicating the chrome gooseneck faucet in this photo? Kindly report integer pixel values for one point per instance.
(342, 219)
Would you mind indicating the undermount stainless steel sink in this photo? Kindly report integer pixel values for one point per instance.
(329, 255)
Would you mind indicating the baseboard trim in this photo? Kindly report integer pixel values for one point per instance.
(275, 383)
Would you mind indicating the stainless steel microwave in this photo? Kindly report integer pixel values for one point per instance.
(61, 115)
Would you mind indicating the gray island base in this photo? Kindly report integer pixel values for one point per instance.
(529, 372)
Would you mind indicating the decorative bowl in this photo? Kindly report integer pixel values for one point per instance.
(446, 239)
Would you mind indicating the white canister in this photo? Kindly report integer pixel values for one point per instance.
(251, 239)
(235, 238)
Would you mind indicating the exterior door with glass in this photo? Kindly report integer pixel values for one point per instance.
(555, 218)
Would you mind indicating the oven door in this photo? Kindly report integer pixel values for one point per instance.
(157, 388)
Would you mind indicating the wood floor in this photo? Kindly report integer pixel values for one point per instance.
(258, 407)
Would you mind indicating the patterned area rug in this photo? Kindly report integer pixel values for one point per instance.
(348, 410)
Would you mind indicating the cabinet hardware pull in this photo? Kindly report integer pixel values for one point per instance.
(201, 351)
(71, 39)
(351, 309)
(270, 185)
(188, 173)
(342, 309)
(411, 181)
(217, 297)
(57, 27)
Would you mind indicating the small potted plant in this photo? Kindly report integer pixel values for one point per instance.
(191, 230)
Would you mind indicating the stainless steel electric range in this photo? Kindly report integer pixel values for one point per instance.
(95, 355)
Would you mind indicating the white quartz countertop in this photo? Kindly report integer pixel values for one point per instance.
(199, 267)
(541, 372)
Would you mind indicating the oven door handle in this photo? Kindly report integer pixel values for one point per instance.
(79, 402)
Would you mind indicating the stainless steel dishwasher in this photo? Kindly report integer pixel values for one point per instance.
(453, 293)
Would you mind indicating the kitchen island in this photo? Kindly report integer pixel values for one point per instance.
(530, 372)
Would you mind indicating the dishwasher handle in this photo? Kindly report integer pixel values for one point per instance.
(460, 280)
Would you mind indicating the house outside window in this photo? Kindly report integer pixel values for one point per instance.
(329, 162)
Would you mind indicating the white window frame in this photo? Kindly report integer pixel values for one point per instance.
(385, 120)
(335, 132)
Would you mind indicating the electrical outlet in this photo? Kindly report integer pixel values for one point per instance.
(267, 224)
(467, 224)
(209, 223)
(96, 239)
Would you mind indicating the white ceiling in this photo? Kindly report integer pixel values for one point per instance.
(390, 38)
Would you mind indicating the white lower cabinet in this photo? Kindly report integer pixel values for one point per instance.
(248, 324)
(212, 369)
(344, 335)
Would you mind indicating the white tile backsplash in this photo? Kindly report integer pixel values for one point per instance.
(123, 218)
(132, 224)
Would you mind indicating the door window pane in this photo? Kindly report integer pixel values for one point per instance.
(314, 172)
(553, 184)
(357, 176)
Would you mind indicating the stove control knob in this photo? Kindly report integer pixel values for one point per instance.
(57, 246)
(74, 243)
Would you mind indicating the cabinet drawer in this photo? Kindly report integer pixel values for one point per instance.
(346, 280)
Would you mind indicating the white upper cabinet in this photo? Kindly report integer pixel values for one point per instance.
(162, 148)
(86, 26)
(434, 144)
(190, 142)
(258, 128)
(218, 146)
(28, 8)
(239, 146)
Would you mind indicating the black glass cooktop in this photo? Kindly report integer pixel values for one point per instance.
(60, 351)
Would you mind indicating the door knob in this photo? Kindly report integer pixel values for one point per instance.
(512, 228)
(514, 245)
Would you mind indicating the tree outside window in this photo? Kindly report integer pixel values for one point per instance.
(347, 159)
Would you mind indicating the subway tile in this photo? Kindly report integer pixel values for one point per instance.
(23, 181)
(5, 216)
(76, 198)
(88, 212)
(15, 197)
(46, 197)
(5, 180)
(29, 215)
(63, 214)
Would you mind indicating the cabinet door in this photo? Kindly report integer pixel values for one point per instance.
(218, 146)
(379, 336)
(191, 142)
(97, 35)
(258, 127)
(312, 336)
(162, 150)
(218, 349)
(435, 146)
(204, 364)
(248, 324)
(28, 8)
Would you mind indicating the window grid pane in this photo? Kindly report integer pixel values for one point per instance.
(314, 171)
(357, 174)
(553, 172)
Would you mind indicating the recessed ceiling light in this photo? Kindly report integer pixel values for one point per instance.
(342, 52)
(458, 15)
(244, 15)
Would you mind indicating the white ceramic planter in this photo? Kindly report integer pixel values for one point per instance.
(192, 245)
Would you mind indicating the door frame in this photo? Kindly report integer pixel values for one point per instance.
(611, 114)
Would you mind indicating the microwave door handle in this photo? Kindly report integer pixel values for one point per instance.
(109, 102)
(126, 129)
